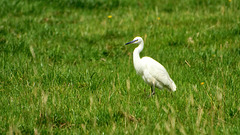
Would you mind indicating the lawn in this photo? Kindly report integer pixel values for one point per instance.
(64, 68)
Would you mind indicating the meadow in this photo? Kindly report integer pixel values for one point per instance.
(64, 68)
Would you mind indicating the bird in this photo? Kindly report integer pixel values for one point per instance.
(151, 71)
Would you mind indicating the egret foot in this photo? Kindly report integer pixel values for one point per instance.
(153, 93)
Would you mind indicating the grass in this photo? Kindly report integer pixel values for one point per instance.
(65, 69)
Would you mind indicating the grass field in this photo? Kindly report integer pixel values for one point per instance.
(65, 69)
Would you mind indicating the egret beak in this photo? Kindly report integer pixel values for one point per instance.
(131, 42)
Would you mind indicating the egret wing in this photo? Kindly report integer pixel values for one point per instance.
(157, 71)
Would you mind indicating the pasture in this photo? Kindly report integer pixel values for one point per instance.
(64, 68)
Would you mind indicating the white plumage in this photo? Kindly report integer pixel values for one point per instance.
(152, 72)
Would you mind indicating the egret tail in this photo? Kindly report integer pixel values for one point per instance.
(173, 86)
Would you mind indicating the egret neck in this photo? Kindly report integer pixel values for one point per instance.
(136, 57)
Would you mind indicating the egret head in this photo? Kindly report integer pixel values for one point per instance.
(136, 40)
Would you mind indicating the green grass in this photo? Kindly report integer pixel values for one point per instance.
(65, 69)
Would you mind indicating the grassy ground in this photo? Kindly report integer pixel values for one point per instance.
(65, 69)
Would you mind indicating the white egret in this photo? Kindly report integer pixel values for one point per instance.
(152, 72)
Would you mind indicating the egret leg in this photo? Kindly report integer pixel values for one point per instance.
(153, 89)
